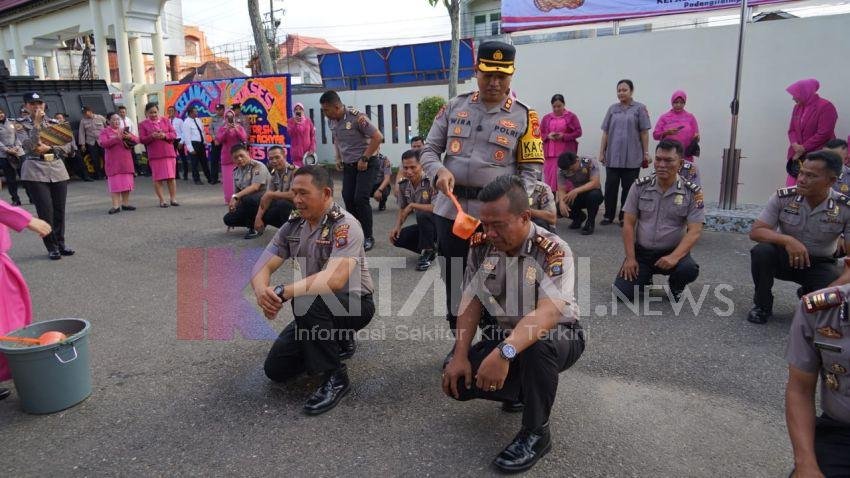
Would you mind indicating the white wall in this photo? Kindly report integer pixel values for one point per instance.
(701, 61)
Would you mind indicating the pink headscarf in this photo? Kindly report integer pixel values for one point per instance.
(296, 105)
(678, 94)
(804, 90)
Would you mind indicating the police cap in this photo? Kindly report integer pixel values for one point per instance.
(496, 56)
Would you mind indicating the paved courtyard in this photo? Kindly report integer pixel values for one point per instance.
(699, 393)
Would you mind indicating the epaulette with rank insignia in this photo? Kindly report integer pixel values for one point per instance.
(545, 244)
(823, 299)
(405, 180)
(295, 215)
(554, 264)
(353, 111)
(687, 165)
(843, 199)
(478, 239)
(644, 180)
(786, 192)
(335, 214)
(692, 186)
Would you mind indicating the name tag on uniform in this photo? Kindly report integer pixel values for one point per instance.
(828, 347)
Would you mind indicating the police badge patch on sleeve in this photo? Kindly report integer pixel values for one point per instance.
(341, 236)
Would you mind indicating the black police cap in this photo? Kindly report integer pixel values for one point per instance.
(496, 56)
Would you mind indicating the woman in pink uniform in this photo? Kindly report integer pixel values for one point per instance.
(158, 136)
(228, 136)
(15, 306)
(812, 121)
(559, 130)
(302, 136)
(117, 143)
(677, 124)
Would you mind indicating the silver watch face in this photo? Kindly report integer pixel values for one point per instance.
(508, 351)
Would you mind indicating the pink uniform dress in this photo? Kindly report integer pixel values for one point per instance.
(569, 126)
(812, 121)
(302, 138)
(681, 119)
(161, 155)
(15, 306)
(228, 138)
(118, 159)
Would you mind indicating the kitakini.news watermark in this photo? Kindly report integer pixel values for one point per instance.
(215, 300)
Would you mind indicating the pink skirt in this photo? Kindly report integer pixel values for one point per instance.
(550, 173)
(15, 306)
(164, 168)
(120, 183)
(227, 181)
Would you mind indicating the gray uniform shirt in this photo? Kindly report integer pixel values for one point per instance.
(90, 129)
(587, 170)
(420, 193)
(481, 144)
(663, 216)
(280, 180)
(842, 184)
(9, 139)
(819, 228)
(254, 172)
(819, 342)
(509, 287)
(384, 169)
(352, 134)
(338, 234)
(34, 167)
(624, 125)
(542, 198)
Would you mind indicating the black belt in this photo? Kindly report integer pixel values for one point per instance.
(466, 192)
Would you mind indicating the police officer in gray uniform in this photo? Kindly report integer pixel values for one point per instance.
(798, 232)
(484, 135)
(819, 345)
(523, 276)
(415, 196)
(89, 133)
(690, 173)
(249, 183)
(663, 220)
(356, 142)
(215, 148)
(276, 203)
(382, 189)
(44, 174)
(10, 153)
(579, 189)
(839, 147)
(334, 298)
(541, 206)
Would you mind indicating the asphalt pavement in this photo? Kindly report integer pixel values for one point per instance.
(656, 393)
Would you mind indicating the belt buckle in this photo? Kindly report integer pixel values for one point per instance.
(48, 157)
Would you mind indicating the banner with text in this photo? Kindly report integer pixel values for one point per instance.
(531, 14)
(264, 102)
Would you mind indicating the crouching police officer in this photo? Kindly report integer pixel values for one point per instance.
(819, 344)
(541, 206)
(276, 203)
(523, 276)
(579, 189)
(484, 135)
(798, 232)
(249, 182)
(331, 302)
(415, 196)
(663, 221)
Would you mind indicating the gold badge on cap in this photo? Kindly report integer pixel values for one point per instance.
(497, 55)
(831, 381)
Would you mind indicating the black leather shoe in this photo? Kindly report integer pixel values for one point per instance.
(114, 210)
(425, 260)
(329, 393)
(54, 255)
(759, 315)
(128, 208)
(525, 450)
(88, 180)
(512, 407)
(4, 392)
(676, 295)
(251, 234)
(368, 244)
(66, 252)
(588, 228)
(347, 347)
(576, 224)
(606, 222)
(16, 202)
(198, 181)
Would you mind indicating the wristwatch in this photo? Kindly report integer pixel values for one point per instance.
(507, 351)
(233, 196)
(278, 291)
(364, 158)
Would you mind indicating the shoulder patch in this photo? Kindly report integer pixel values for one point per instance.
(478, 239)
(687, 165)
(786, 192)
(547, 245)
(843, 199)
(823, 299)
(644, 180)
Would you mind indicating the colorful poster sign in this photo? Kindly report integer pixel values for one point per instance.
(531, 14)
(264, 101)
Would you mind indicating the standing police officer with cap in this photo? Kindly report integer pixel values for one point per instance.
(484, 135)
(44, 174)
(523, 276)
(798, 232)
(334, 298)
(819, 345)
(356, 142)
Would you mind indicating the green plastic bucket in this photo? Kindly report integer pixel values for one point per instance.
(50, 378)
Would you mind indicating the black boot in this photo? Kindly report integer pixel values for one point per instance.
(329, 393)
(759, 315)
(4, 392)
(347, 347)
(527, 447)
(588, 228)
(577, 218)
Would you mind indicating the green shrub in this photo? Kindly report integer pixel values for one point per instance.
(428, 109)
